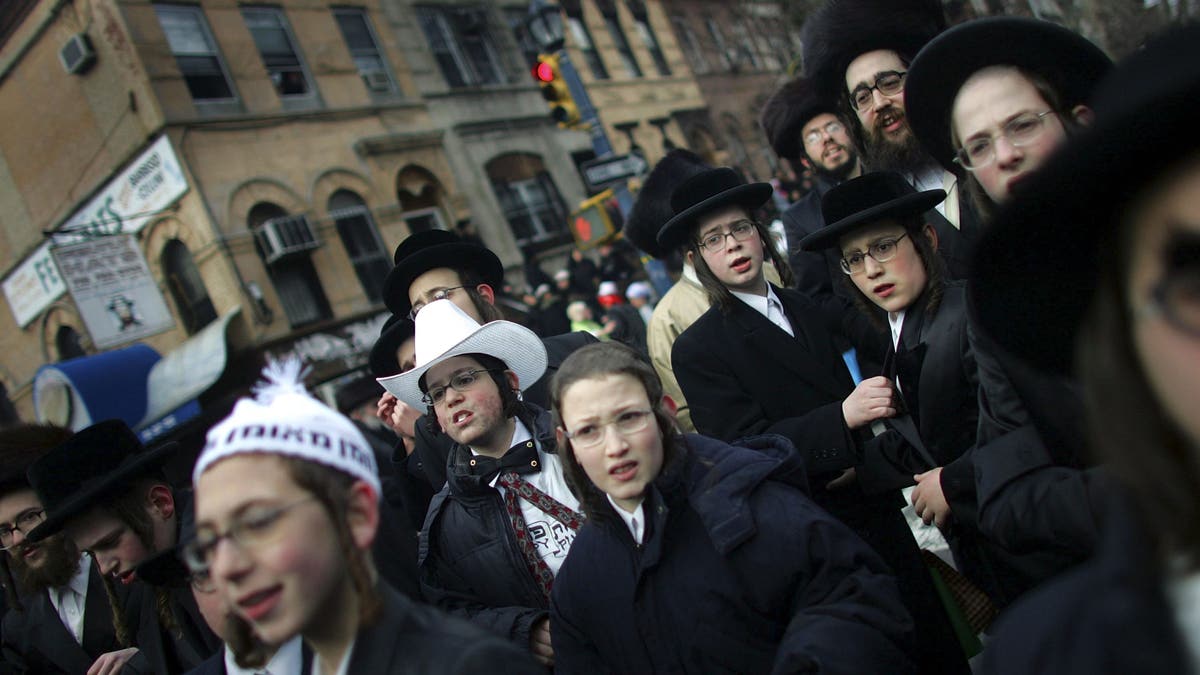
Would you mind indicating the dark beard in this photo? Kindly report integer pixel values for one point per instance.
(906, 156)
(61, 563)
(841, 173)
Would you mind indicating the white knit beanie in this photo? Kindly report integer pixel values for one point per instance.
(284, 419)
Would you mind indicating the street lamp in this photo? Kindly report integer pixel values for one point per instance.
(546, 26)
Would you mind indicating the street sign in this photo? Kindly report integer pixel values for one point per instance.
(605, 171)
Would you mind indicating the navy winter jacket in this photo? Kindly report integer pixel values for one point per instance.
(739, 571)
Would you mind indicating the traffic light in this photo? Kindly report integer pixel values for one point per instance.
(556, 92)
(595, 222)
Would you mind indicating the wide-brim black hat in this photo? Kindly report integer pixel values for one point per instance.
(382, 360)
(652, 208)
(90, 466)
(840, 31)
(792, 106)
(1036, 269)
(704, 193)
(868, 199)
(1068, 61)
(20, 446)
(432, 249)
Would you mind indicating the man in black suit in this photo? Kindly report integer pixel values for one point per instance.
(435, 265)
(761, 361)
(60, 618)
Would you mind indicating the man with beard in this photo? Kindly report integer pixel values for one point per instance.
(858, 53)
(805, 128)
(61, 617)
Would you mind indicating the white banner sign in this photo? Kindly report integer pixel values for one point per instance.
(148, 185)
(113, 289)
(33, 286)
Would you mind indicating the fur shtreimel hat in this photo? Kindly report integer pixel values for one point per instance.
(791, 107)
(842, 30)
(652, 208)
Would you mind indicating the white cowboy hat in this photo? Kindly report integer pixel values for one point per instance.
(445, 331)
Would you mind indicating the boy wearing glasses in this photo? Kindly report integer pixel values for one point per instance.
(858, 53)
(109, 494)
(59, 617)
(761, 360)
(497, 533)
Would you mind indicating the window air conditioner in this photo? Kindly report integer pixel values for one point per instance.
(377, 80)
(286, 236)
(76, 54)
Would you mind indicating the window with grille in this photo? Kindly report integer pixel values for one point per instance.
(358, 233)
(195, 52)
(364, 49)
(277, 49)
(461, 45)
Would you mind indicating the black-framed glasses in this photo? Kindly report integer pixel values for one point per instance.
(714, 241)
(460, 381)
(439, 294)
(626, 423)
(1177, 299)
(819, 134)
(252, 529)
(1021, 130)
(880, 251)
(889, 83)
(24, 524)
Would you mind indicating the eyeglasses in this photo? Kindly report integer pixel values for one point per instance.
(817, 135)
(461, 382)
(889, 83)
(1177, 299)
(1019, 131)
(740, 231)
(202, 582)
(880, 251)
(439, 294)
(251, 530)
(627, 423)
(24, 524)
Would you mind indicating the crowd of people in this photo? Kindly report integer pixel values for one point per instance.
(949, 426)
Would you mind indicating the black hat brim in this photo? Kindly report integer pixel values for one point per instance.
(751, 196)
(95, 491)
(455, 255)
(908, 205)
(1036, 269)
(1067, 60)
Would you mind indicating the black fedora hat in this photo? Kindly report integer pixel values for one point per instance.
(792, 106)
(868, 199)
(652, 208)
(90, 466)
(20, 446)
(382, 360)
(704, 193)
(840, 31)
(432, 249)
(1036, 269)
(1068, 61)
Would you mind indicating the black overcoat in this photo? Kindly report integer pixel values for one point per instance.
(743, 376)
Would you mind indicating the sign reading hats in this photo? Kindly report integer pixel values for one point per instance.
(1069, 62)
(704, 193)
(90, 466)
(868, 199)
(445, 331)
(433, 249)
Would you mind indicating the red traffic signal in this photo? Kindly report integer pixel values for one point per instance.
(556, 91)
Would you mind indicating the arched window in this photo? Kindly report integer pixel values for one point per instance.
(530, 200)
(284, 242)
(357, 230)
(68, 343)
(187, 288)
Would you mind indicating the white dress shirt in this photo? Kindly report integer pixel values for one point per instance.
(70, 600)
(288, 660)
(636, 521)
(769, 306)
